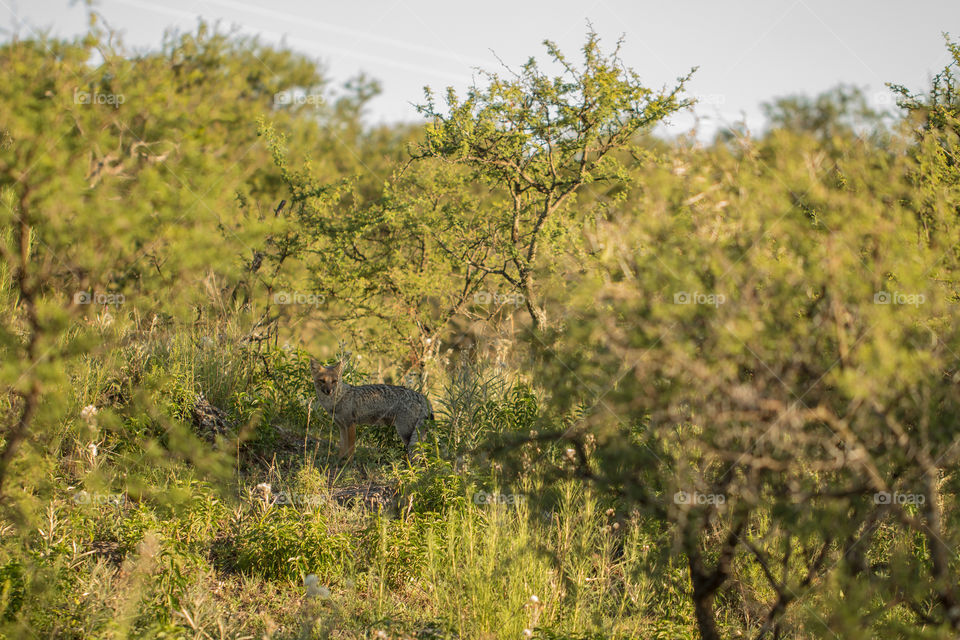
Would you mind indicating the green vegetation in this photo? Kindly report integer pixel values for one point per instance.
(681, 389)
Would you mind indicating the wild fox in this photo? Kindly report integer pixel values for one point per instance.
(387, 404)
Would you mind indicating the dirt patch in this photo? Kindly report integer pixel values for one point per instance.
(373, 496)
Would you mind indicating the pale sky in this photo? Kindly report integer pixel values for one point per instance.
(748, 51)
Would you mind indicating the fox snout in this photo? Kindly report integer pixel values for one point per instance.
(326, 388)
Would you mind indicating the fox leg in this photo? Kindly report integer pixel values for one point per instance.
(352, 439)
(414, 438)
(348, 440)
(415, 434)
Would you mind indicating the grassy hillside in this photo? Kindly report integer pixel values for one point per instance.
(681, 389)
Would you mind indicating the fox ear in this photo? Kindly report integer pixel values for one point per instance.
(338, 368)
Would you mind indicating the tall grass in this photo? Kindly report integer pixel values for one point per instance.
(146, 536)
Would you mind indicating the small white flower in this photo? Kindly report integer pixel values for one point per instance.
(527, 633)
(93, 449)
(534, 599)
(380, 633)
(89, 413)
(571, 454)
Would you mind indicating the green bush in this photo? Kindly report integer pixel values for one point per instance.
(395, 549)
(283, 543)
(435, 487)
(12, 589)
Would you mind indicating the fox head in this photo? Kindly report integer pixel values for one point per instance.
(325, 379)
